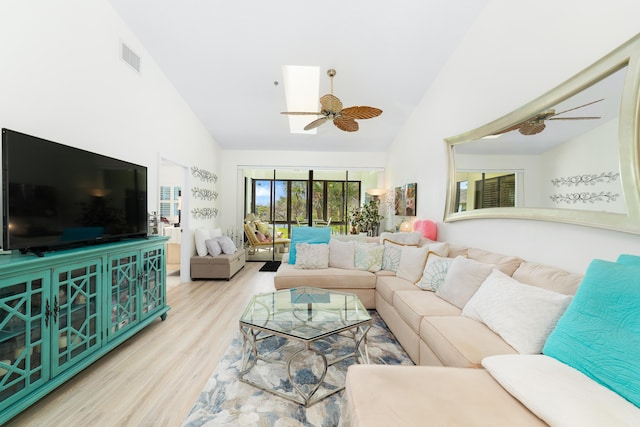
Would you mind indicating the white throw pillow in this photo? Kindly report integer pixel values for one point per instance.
(435, 271)
(342, 254)
(412, 260)
(523, 315)
(401, 237)
(201, 236)
(438, 248)
(312, 255)
(463, 279)
(559, 394)
(227, 245)
(369, 256)
(213, 247)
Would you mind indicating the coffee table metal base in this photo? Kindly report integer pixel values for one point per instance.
(307, 357)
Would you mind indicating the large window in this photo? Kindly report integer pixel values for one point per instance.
(293, 205)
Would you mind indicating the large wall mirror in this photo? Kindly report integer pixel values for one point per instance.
(571, 155)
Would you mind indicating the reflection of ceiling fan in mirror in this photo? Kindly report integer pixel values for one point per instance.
(535, 124)
(343, 118)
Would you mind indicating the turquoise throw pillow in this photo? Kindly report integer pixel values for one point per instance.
(627, 259)
(599, 334)
(307, 235)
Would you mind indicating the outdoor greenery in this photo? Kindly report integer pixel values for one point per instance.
(291, 200)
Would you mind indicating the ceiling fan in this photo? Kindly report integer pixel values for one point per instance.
(535, 124)
(343, 118)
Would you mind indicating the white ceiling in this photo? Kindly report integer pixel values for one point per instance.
(224, 57)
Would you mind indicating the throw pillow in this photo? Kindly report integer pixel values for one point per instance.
(369, 256)
(402, 237)
(463, 280)
(628, 259)
(438, 248)
(227, 245)
(435, 270)
(307, 235)
(262, 238)
(264, 228)
(213, 247)
(201, 236)
(312, 256)
(599, 334)
(412, 262)
(342, 254)
(391, 256)
(523, 315)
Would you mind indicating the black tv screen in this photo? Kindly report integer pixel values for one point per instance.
(54, 195)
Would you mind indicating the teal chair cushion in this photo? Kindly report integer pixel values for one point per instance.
(307, 235)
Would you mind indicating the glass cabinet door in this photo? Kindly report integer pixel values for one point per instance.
(123, 272)
(23, 318)
(153, 281)
(76, 322)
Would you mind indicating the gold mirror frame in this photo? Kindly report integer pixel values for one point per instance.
(627, 55)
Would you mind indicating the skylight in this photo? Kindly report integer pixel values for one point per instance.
(302, 91)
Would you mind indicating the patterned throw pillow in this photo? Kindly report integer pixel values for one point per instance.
(369, 256)
(391, 256)
(312, 255)
(434, 272)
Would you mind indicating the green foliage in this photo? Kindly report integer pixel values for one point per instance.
(366, 218)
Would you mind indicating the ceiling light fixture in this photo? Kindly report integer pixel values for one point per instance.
(301, 89)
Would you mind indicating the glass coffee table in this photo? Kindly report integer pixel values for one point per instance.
(296, 342)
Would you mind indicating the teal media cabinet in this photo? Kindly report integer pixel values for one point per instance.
(61, 312)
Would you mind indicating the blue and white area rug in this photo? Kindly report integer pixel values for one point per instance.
(225, 401)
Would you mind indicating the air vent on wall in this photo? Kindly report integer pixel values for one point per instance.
(130, 57)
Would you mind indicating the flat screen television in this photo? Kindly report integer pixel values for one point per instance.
(54, 195)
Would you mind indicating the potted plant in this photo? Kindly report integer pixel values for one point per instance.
(366, 218)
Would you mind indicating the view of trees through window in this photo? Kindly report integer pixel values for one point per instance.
(291, 201)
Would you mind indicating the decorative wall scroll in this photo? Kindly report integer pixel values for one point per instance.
(585, 197)
(588, 179)
(204, 193)
(204, 213)
(203, 175)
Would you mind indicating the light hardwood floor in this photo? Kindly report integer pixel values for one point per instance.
(155, 377)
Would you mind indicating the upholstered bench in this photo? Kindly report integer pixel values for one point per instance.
(223, 266)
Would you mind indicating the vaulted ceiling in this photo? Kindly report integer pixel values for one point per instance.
(225, 57)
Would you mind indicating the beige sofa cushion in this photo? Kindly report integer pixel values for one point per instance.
(328, 278)
(461, 341)
(505, 263)
(386, 286)
(408, 396)
(413, 305)
(547, 277)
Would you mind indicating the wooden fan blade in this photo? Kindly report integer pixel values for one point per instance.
(532, 128)
(346, 124)
(331, 103)
(361, 112)
(300, 113)
(574, 118)
(316, 123)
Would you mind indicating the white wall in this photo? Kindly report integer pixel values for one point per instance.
(512, 54)
(62, 79)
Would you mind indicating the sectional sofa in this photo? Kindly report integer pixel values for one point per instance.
(476, 322)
